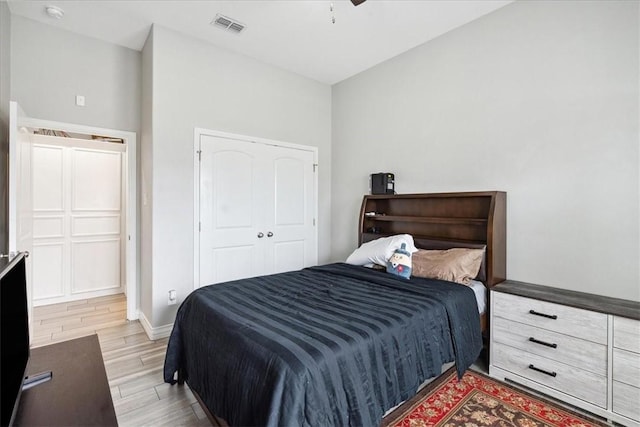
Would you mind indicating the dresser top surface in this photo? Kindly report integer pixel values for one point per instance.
(598, 303)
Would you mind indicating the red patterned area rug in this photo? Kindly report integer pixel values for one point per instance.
(477, 401)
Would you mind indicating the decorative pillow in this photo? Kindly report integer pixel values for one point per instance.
(458, 265)
(400, 262)
(380, 250)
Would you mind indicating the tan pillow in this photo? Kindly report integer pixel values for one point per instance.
(458, 265)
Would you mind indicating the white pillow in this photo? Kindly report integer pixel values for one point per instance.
(380, 250)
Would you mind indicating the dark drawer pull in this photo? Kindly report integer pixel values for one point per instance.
(548, 316)
(548, 344)
(551, 374)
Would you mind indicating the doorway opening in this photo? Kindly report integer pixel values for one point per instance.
(79, 219)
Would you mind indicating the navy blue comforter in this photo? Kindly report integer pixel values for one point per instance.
(330, 345)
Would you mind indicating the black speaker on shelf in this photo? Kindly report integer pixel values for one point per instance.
(382, 183)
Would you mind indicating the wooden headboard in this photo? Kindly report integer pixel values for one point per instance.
(443, 221)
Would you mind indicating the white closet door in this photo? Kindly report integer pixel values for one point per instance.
(231, 205)
(289, 219)
(257, 206)
(95, 217)
(77, 231)
(50, 248)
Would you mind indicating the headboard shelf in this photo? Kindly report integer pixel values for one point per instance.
(442, 221)
(366, 237)
(428, 219)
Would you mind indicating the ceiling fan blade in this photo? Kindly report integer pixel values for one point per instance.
(357, 2)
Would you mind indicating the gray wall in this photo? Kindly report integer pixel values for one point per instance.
(145, 179)
(539, 99)
(51, 66)
(5, 86)
(199, 85)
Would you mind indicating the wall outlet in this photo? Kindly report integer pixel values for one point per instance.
(173, 297)
(80, 100)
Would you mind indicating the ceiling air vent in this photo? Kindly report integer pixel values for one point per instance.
(228, 23)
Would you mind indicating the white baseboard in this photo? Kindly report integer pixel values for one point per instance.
(154, 333)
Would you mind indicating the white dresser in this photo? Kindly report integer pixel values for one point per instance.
(579, 348)
(626, 367)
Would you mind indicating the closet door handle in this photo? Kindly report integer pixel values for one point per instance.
(269, 234)
(260, 235)
(548, 316)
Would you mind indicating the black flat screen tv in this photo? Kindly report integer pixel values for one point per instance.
(14, 334)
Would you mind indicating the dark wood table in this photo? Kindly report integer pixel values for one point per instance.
(77, 395)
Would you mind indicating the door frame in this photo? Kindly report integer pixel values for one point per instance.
(130, 171)
(197, 134)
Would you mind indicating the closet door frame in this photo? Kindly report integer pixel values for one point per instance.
(197, 134)
(130, 211)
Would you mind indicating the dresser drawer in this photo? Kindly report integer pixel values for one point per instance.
(626, 334)
(552, 345)
(626, 367)
(573, 381)
(571, 321)
(625, 400)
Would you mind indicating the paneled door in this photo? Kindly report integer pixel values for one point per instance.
(231, 206)
(19, 198)
(289, 218)
(77, 219)
(256, 209)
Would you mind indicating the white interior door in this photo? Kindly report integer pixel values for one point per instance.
(20, 204)
(231, 205)
(256, 204)
(77, 219)
(289, 219)
(20, 224)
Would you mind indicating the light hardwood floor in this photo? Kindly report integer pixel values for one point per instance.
(132, 361)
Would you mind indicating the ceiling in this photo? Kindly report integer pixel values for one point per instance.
(296, 35)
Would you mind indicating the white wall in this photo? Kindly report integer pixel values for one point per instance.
(199, 85)
(5, 87)
(539, 99)
(51, 66)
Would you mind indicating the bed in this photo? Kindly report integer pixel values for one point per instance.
(337, 344)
